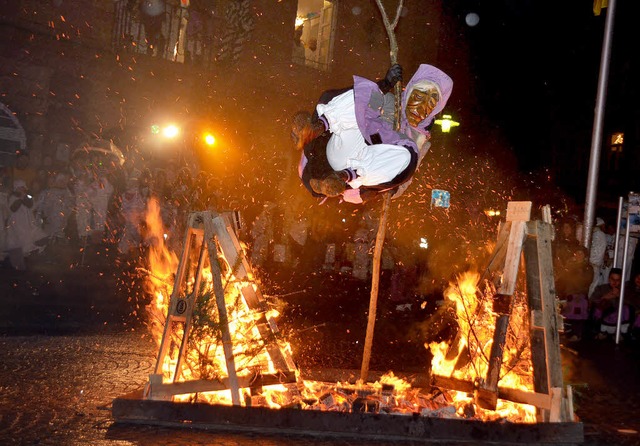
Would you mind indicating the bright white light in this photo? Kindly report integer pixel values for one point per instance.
(472, 19)
(424, 244)
(492, 212)
(170, 131)
(344, 220)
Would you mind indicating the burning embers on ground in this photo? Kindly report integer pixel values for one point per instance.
(465, 358)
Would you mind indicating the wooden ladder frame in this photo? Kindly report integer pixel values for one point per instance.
(209, 231)
(519, 237)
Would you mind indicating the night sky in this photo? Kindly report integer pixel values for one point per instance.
(535, 66)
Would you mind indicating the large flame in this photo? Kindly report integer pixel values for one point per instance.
(476, 322)
(162, 264)
(204, 356)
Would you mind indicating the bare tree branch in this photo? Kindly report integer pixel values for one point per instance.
(382, 226)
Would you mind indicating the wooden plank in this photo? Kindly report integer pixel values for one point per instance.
(540, 400)
(227, 343)
(231, 248)
(487, 393)
(550, 309)
(164, 390)
(539, 360)
(555, 411)
(512, 258)
(546, 214)
(518, 211)
(364, 427)
(500, 251)
(155, 380)
(233, 253)
(537, 323)
(173, 311)
(545, 342)
(570, 412)
(188, 315)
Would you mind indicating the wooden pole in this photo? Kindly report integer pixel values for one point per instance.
(382, 226)
(375, 280)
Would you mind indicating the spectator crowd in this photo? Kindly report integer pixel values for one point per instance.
(97, 198)
(589, 285)
(93, 199)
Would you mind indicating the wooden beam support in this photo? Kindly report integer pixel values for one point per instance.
(227, 343)
(517, 213)
(361, 427)
(545, 338)
(163, 391)
(539, 400)
(211, 230)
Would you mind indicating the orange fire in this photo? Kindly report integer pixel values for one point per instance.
(476, 321)
(204, 357)
(163, 264)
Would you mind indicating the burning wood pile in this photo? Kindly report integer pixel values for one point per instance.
(219, 343)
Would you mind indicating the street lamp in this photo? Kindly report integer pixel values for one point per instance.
(446, 123)
(209, 139)
(170, 131)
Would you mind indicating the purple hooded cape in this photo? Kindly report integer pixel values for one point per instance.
(369, 118)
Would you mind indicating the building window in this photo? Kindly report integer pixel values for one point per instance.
(178, 31)
(617, 142)
(314, 33)
(615, 154)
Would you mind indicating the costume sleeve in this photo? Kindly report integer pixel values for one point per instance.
(339, 113)
(378, 163)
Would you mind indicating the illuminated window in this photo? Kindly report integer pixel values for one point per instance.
(615, 155)
(314, 31)
(617, 141)
(180, 31)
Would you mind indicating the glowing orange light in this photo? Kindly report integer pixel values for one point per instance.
(209, 139)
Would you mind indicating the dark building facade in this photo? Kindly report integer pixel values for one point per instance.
(72, 71)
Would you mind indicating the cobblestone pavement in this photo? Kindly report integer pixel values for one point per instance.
(72, 341)
(57, 390)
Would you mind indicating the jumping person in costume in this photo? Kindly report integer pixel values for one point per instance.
(310, 135)
(351, 148)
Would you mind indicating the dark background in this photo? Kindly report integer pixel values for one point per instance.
(535, 66)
